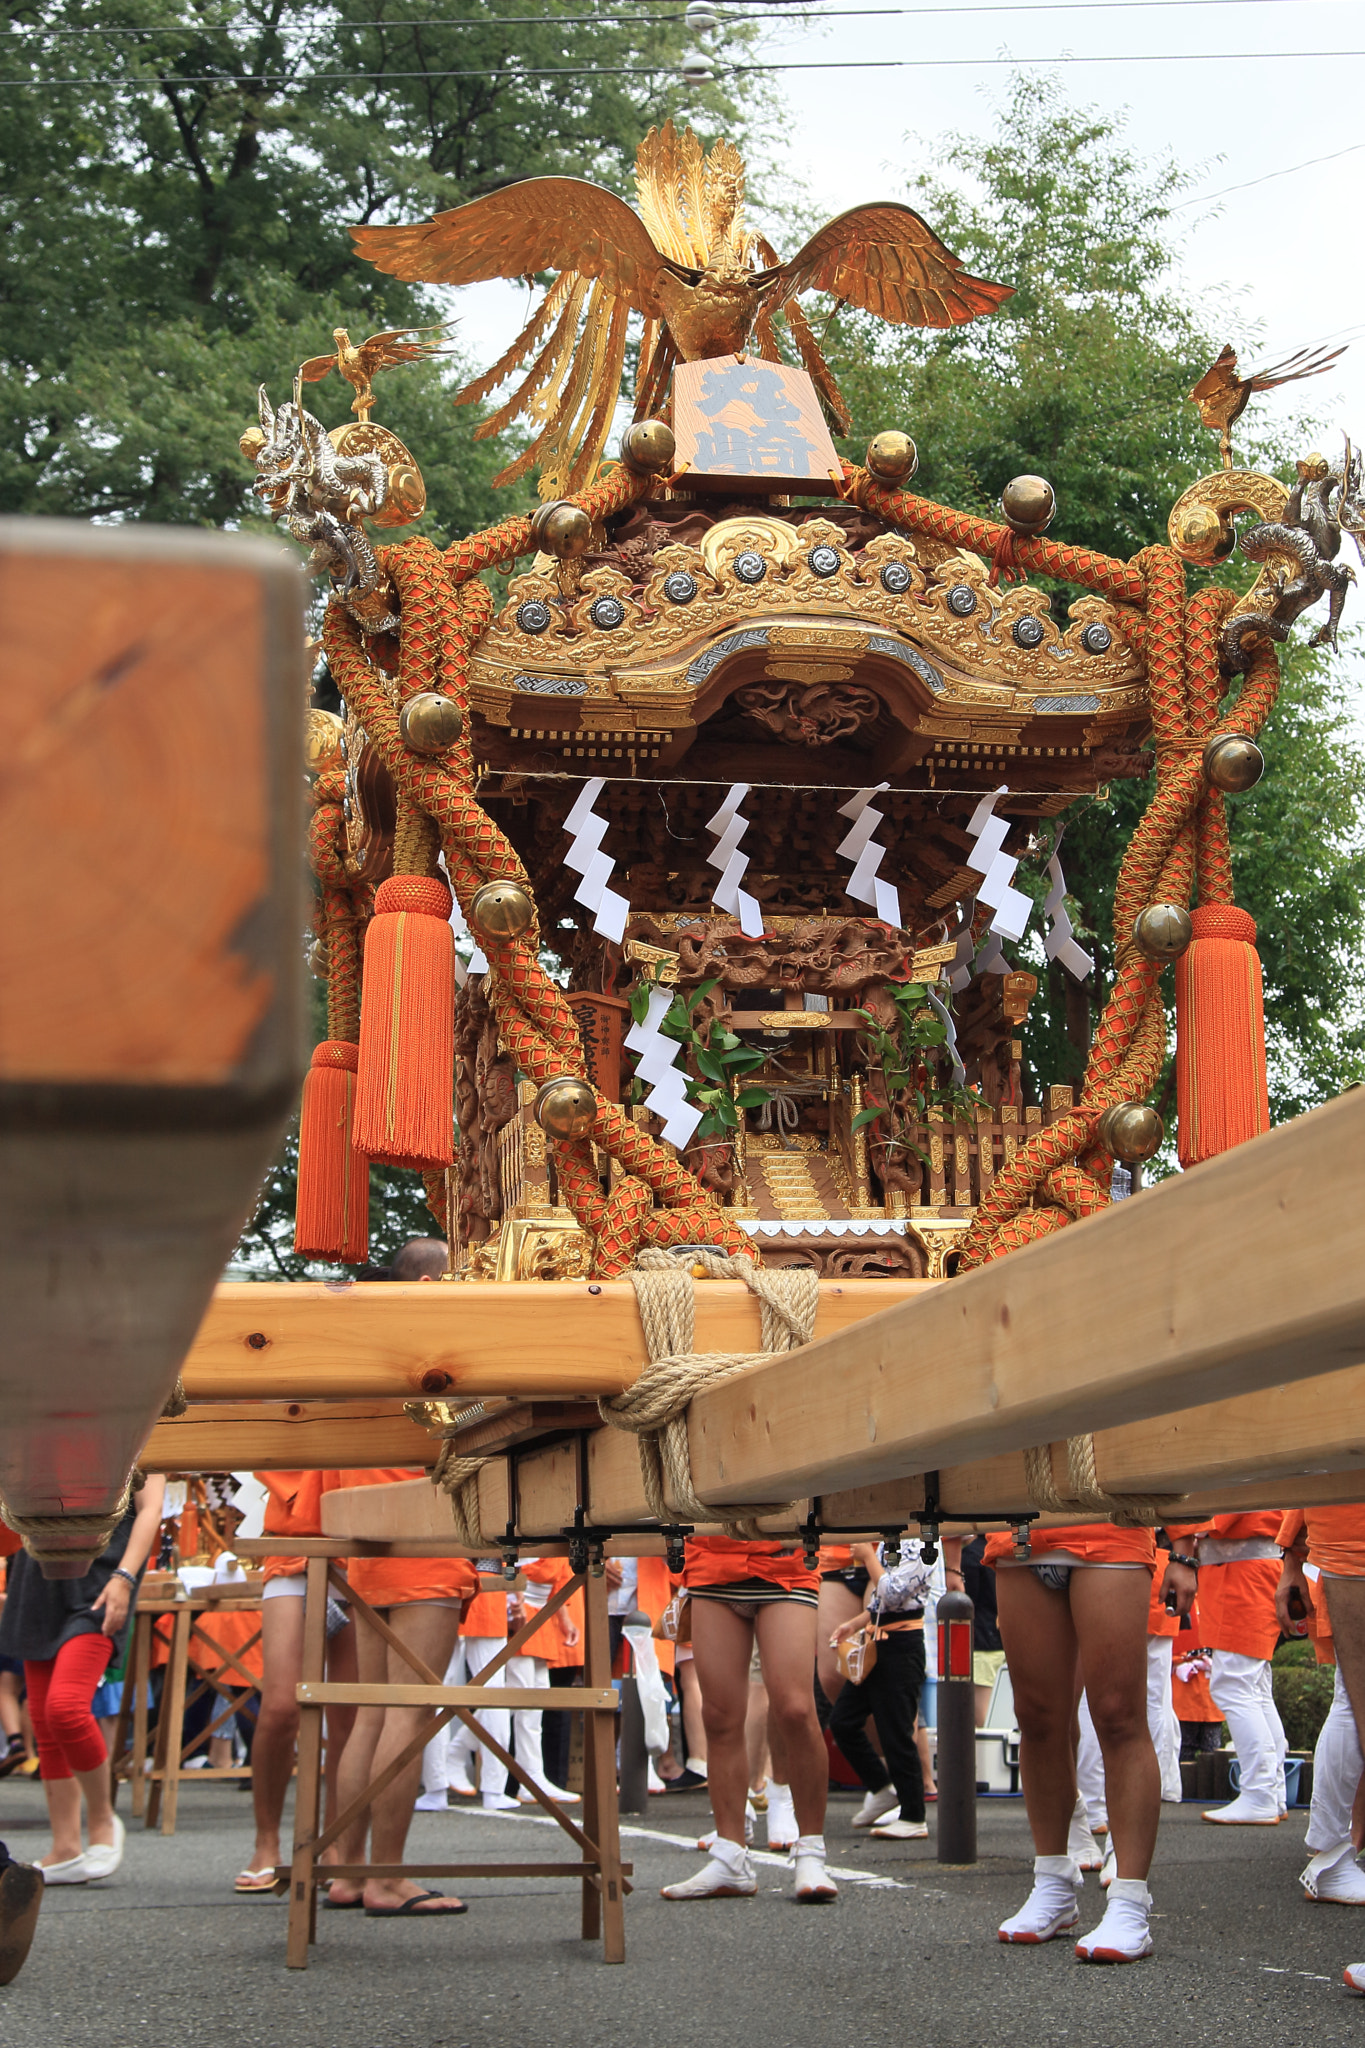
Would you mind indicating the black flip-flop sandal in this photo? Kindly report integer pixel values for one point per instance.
(410, 1908)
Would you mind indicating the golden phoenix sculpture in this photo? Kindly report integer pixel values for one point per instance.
(704, 283)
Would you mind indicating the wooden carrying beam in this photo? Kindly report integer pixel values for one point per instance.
(150, 1038)
(535, 1338)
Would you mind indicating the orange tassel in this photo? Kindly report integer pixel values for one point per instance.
(332, 1216)
(405, 1105)
(1220, 1035)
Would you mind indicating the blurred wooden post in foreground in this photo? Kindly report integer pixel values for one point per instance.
(150, 827)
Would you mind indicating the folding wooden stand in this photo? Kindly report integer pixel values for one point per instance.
(170, 1755)
(599, 1867)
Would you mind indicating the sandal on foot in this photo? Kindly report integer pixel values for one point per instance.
(412, 1909)
(253, 1882)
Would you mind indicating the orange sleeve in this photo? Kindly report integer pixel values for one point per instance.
(1336, 1540)
(720, 1561)
(293, 1509)
(1159, 1622)
(1293, 1522)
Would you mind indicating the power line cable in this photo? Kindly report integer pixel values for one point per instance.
(1207, 198)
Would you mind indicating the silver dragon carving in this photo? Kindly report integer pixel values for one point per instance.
(321, 497)
(1299, 552)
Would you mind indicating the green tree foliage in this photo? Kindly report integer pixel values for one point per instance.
(1082, 377)
(176, 182)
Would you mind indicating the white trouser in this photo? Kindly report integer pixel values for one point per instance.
(436, 1757)
(478, 1651)
(1161, 1723)
(1161, 1714)
(1242, 1694)
(1337, 1767)
(527, 1724)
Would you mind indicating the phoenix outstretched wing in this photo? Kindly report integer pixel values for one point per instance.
(888, 261)
(607, 265)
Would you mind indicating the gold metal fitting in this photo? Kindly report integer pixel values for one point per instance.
(1131, 1131)
(406, 496)
(566, 1107)
(319, 960)
(1028, 503)
(562, 528)
(1162, 931)
(892, 457)
(322, 740)
(251, 443)
(430, 723)
(648, 447)
(501, 910)
(1200, 533)
(1233, 763)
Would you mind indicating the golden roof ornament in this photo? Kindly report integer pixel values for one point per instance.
(1222, 396)
(705, 284)
(360, 365)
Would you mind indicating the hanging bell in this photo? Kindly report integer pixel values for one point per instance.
(430, 723)
(1131, 1131)
(501, 910)
(1233, 763)
(566, 1107)
(892, 457)
(1162, 931)
(648, 447)
(1029, 504)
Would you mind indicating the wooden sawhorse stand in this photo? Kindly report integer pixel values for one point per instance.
(598, 1839)
(190, 1615)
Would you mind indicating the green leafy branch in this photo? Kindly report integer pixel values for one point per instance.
(720, 1059)
(908, 1061)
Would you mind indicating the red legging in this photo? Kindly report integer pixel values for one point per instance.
(60, 1690)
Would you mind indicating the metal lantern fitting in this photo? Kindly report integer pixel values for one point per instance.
(561, 528)
(430, 723)
(648, 447)
(566, 1107)
(1028, 503)
(501, 910)
(1131, 1131)
(1233, 763)
(892, 457)
(1162, 931)
(323, 740)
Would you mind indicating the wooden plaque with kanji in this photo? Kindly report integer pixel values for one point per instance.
(748, 425)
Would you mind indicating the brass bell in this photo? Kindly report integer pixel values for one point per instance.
(1162, 931)
(892, 457)
(562, 528)
(566, 1107)
(322, 740)
(430, 723)
(501, 910)
(1233, 763)
(1131, 1131)
(648, 447)
(1028, 503)
(319, 960)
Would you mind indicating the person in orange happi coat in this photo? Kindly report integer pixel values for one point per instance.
(294, 1510)
(422, 1599)
(739, 1593)
(1075, 1615)
(1324, 1566)
(1239, 1570)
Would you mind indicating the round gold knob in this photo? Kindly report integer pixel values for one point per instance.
(648, 447)
(892, 457)
(566, 1107)
(430, 723)
(562, 528)
(251, 443)
(501, 910)
(1198, 533)
(322, 741)
(1028, 503)
(1233, 763)
(1131, 1131)
(1162, 931)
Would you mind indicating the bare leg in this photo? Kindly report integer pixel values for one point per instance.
(1346, 1613)
(64, 1814)
(1040, 1642)
(1109, 1610)
(722, 1644)
(837, 1603)
(430, 1632)
(341, 1669)
(11, 1721)
(694, 1721)
(277, 1723)
(756, 1736)
(786, 1640)
(355, 1769)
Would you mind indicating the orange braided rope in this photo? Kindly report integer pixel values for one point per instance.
(444, 613)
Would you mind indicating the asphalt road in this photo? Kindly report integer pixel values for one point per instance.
(166, 1954)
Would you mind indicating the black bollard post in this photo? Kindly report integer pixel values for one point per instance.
(956, 1731)
(634, 1773)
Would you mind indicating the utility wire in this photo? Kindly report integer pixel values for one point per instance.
(1207, 198)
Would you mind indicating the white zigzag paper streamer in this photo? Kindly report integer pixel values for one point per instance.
(586, 858)
(667, 1095)
(858, 845)
(961, 972)
(729, 828)
(945, 1018)
(1011, 905)
(1060, 941)
(477, 962)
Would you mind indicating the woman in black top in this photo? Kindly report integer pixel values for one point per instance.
(67, 1631)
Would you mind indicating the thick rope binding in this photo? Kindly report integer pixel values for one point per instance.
(655, 1408)
(1125, 1510)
